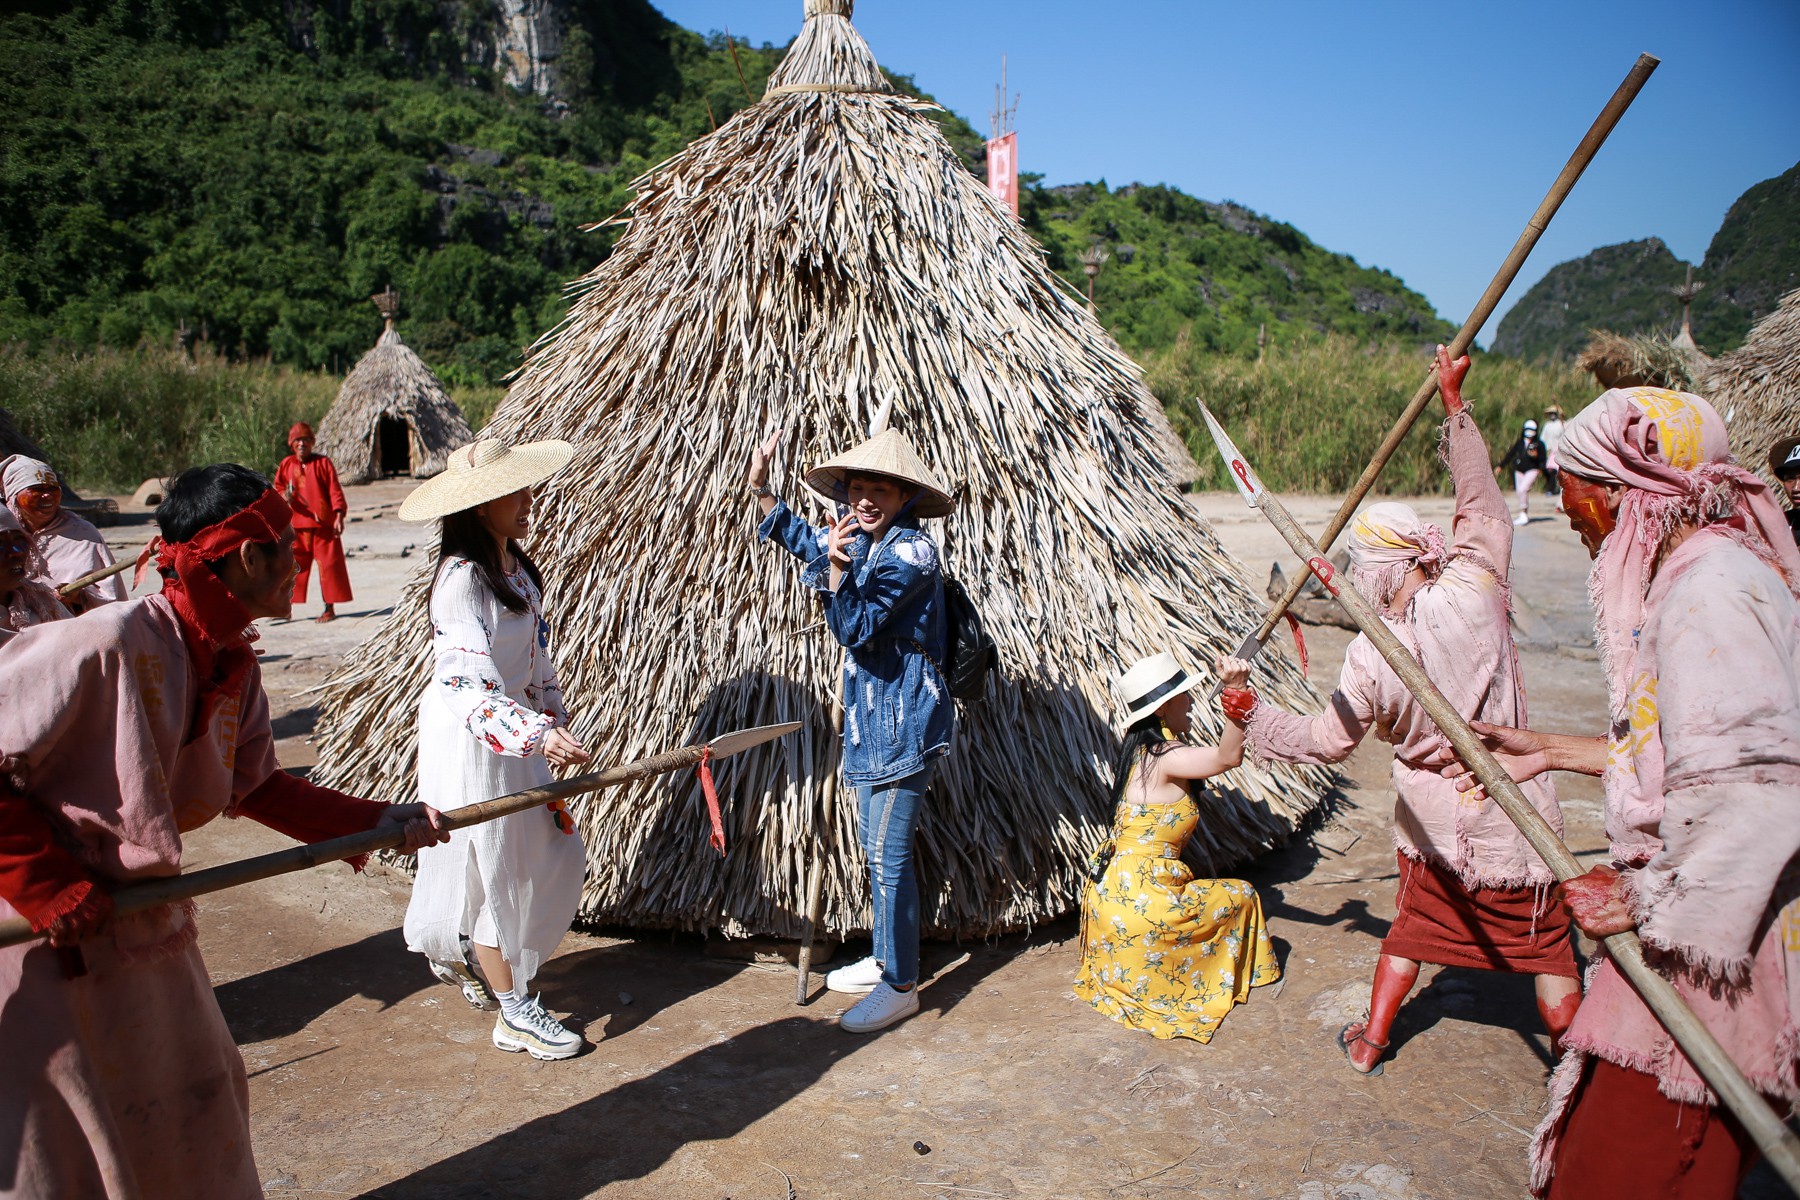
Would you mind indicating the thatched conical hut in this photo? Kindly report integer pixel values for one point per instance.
(392, 416)
(1756, 387)
(821, 259)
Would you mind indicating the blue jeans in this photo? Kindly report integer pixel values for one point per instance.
(887, 816)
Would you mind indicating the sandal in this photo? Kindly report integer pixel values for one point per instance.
(1345, 1037)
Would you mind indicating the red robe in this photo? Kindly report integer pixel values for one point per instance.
(317, 502)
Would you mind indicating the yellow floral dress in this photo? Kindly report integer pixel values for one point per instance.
(1162, 951)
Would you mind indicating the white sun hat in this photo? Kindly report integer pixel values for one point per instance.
(1149, 682)
(887, 453)
(482, 471)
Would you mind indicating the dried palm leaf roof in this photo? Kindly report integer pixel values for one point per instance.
(819, 256)
(1756, 387)
(1640, 360)
(391, 381)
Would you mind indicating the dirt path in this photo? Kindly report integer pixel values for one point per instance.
(706, 1081)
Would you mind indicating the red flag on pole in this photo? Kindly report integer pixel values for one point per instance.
(1003, 170)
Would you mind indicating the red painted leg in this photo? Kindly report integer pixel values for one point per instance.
(1366, 1042)
(1557, 1000)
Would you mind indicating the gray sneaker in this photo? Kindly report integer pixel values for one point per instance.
(474, 988)
(536, 1032)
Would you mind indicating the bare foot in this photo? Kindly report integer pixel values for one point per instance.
(327, 615)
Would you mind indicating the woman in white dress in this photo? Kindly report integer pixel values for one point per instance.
(491, 905)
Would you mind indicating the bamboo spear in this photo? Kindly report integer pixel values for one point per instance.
(1772, 1135)
(1465, 337)
(68, 591)
(137, 897)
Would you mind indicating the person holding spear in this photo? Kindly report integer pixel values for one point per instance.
(1472, 892)
(1694, 588)
(120, 733)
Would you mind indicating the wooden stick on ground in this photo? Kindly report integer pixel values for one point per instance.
(1465, 337)
(139, 896)
(822, 843)
(68, 591)
(1772, 1135)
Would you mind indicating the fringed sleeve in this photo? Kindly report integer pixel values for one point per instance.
(1483, 524)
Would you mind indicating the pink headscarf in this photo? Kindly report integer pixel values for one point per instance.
(17, 473)
(1671, 453)
(1386, 541)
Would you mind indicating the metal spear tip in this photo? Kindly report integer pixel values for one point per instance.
(739, 740)
(1236, 464)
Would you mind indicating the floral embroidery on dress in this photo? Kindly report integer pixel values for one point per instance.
(465, 673)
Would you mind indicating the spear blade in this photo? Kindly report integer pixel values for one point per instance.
(1236, 465)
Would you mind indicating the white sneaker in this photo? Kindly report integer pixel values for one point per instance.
(857, 979)
(880, 1008)
(536, 1032)
(1522, 519)
(474, 988)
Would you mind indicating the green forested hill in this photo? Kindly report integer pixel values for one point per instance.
(1752, 262)
(256, 169)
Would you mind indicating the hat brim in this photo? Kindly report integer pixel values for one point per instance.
(454, 491)
(832, 482)
(1187, 681)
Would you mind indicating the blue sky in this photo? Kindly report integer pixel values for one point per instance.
(1417, 137)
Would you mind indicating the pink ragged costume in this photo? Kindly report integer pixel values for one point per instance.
(123, 1081)
(1702, 655)
(72, 548)
(1456, 626)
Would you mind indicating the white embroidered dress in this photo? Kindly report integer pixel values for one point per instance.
(514, 882)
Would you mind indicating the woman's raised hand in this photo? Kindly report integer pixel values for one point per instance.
(1233, 672)
(761, 457)
(561, 748)
(837, 544)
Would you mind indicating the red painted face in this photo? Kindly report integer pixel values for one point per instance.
(1590, 510)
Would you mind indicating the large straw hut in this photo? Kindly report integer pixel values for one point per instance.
(1756, 387)
(392, 416)
(820, 260)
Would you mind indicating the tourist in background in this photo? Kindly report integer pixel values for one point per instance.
(64, 547)
(310, 483)
(1526, 461)
(1784, 464)
(1551, 435)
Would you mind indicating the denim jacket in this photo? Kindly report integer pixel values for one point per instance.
(898, 712)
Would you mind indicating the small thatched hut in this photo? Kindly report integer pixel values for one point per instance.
(820, 258)
(392, 416)
(1756, 387)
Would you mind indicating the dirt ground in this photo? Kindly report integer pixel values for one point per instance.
(706, 1080)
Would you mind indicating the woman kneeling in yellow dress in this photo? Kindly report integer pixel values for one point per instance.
(1161, 950)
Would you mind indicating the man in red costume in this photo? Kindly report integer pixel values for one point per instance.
(119, 733)
(309, 483)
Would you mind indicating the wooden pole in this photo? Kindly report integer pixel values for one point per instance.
(1777, 1142)
(1465, 337)
(68, 591)
(823, 843)
(137, 897)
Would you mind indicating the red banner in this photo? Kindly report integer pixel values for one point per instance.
(1003, 170)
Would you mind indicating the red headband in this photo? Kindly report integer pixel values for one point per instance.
(301, 429)
(213, 619)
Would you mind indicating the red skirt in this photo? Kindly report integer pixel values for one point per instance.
(1625, 1140)
(1492, 929)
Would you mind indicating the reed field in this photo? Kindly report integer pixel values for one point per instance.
(1309, 415)
(110, 419)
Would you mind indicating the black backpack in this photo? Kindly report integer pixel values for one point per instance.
(972, 652)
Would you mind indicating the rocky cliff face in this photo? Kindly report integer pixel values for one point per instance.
(523, 42)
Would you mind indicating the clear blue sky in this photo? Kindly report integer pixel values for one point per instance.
(1417, 137)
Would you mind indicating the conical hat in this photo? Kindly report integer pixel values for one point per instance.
(887, 453)
(483, 471)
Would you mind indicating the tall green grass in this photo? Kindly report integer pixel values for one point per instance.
(1309, 416)
(111, 419)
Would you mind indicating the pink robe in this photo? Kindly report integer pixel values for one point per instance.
(1703, 809)
(72, 548)
(1456, 626)
(123, 1082)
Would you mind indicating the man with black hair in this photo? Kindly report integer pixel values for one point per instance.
(120, 733)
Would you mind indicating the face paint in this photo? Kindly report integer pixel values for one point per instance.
(1589, 511)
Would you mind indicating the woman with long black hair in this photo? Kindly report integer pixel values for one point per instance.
(1161, 950)
(491, 905)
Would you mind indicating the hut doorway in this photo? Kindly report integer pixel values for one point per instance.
(394, 444)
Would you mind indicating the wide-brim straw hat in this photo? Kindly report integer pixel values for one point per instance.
(887, 453)
(482, 471)
(1149, 682)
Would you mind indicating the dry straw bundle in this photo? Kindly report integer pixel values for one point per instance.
(391, 396)
(819, 259)
(1639, 360)
(1756, 387)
